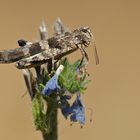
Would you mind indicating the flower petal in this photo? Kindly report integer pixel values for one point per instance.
(65, 106)
(78, 111)
(51, 86)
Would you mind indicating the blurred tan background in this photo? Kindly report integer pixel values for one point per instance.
(113, 94)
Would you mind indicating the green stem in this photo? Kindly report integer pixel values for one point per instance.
(51, 120)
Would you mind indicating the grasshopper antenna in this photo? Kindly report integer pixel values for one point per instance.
(96, 55)
(95, 51)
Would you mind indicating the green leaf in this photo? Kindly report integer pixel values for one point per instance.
(68, 78)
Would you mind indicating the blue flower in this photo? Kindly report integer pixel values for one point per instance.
(78, 111)
(52, 85)
(65, 106)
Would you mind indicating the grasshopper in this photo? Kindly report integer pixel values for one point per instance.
(61, 44)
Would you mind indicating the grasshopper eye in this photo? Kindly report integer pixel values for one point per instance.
(84, 30)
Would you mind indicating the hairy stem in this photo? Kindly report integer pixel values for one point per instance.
(51, 121)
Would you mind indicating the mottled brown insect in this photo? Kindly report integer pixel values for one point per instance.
(62, 43)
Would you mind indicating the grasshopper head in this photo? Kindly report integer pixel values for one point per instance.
(83, 36)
